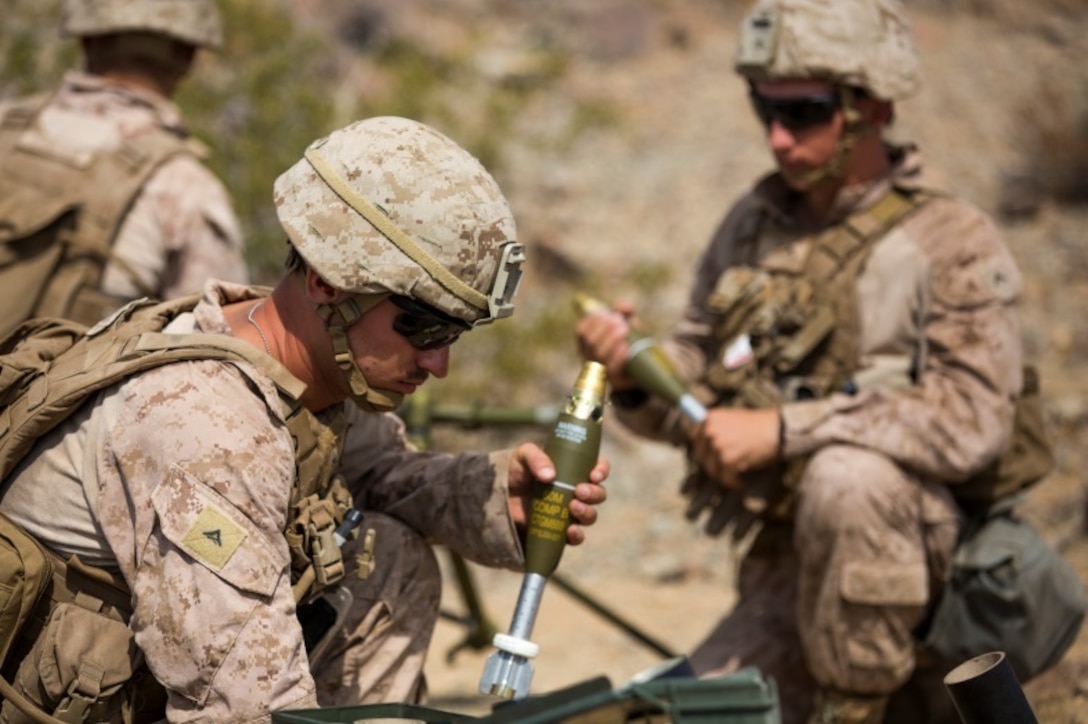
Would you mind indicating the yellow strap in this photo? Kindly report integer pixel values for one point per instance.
(391, 231)
(833, 251)
(884, 213)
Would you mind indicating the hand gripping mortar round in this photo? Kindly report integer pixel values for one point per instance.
(648, 365)
(573, 445)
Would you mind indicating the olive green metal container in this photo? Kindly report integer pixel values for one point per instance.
(742, 698)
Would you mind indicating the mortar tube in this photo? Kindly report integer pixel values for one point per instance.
(985, 690)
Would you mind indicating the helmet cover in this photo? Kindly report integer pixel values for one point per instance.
(196, 22)
(861, 43)
(389, 204)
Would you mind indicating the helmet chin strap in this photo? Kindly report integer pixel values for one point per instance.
(338, 319)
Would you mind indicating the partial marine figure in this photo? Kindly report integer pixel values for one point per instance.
(853, 335)
(235, 521)
(104, 196)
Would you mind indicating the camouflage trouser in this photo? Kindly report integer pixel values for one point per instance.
(379, 653)
(832, 601)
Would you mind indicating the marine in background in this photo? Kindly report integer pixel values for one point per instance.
(104, 195)
(854, 335)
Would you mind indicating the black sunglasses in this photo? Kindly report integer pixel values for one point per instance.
(796, 113)
(424, 326)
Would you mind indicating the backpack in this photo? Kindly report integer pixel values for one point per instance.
(1010, 591)
(50, 367)
(60, 211)
(25, 572)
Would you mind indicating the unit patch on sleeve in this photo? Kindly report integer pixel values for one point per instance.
(213, 538)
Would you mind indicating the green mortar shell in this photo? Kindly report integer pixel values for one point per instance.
(653, 371)
(550, 514)
(647, 363)
(574, 446)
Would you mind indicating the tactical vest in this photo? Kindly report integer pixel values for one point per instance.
(48, 368)
(60, 212)
(785, 330)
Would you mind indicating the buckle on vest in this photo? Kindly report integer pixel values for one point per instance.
(324, 551)
(365, 561)
(82, 694)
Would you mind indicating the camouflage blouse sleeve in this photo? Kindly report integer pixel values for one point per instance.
(193, 499)
(957, 417)
(459, 500)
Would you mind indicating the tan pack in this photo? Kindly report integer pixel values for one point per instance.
(48, 369)
(60, 213)
(25, 573)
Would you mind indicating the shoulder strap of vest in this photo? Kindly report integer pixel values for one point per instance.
(102, 185)
(834, 263)
(835, 250)
(123, 173)
(130, 343)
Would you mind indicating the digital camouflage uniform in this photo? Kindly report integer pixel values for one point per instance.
(181, 229)
(850, 575)
(842, 574)
(132, 474)
(107, 198)
(189, 479)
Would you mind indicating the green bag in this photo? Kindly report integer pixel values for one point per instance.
(1010, 591)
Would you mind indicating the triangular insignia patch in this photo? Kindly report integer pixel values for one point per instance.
(213, 538)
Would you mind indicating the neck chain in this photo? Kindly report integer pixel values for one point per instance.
(252, 311)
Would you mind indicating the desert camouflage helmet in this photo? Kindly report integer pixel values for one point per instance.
(861, 43)
(191, 21)
(390, 205)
